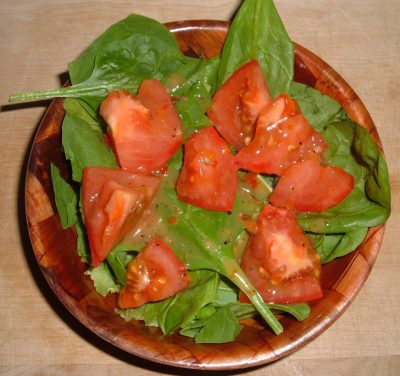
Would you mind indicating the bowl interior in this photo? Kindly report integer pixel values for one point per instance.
(55, 248)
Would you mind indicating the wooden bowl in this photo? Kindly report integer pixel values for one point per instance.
(55, 249)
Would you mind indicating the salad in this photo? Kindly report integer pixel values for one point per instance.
(209, 191)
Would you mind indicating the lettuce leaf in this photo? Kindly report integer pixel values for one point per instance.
(103, 279)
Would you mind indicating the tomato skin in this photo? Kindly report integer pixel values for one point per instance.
(137, 123)
(237, 104)
(283, 136)
(208, 177)
(280, 260)
(310, 187)
(155, 274)
(112, 203)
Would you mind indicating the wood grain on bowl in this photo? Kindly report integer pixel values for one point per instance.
(55, 249)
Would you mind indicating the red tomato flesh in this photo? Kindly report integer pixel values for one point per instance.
(237, 104)
(283, 136)
(280, 260)
(310, 187)
(208, 177)
(155, 274)
(113, 200)
(145, 130)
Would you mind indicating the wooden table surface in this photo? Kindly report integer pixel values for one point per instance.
(359, 38)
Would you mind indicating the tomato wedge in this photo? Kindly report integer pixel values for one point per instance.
(145, 130)
(283, 136)
(280, 260)
(310, 187)
(113, 201)
(208, 177)
(155, 274)
(237, 104)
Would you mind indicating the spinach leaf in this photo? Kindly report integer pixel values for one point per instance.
(207, 325)
(192, 108)
(65, 197)
(83, 141)
(221, 327)
(178, 310)
(80, 109)
(200, 237)
(117, 262)
(194, 96)
(319, 109)
(82, 241)
(135, 25)
(194, 327)
(299, 311)
(227, 292)
(331, 246)
(257, 32)
(205, 328)
(206, 239)
(181, 82)
(130, 51)
(352, 148)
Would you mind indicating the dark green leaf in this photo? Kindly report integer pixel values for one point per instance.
(194, 72)
(83, 141)
(243, 310)
(130, 51)
(65, 197)
(206, 312)
(240, 311)
(124, 248)
(227, 292)
(193, 328)
(320, 110)
(116, 260)
(82, 242)
(201, 292)
(78, 108)
(299, 311)
(180, 309)
(257, 32)
(221, 327)
(134, 26)
(352, 148)
(331, 246)
(154, 313)
(191, 109)
(193, 90)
